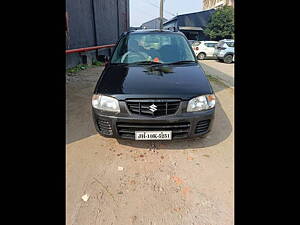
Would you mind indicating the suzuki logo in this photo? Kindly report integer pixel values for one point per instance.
(152, 108)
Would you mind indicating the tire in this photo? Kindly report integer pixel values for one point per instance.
(201, 56)
(228, 59)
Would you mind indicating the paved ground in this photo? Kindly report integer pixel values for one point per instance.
(220, 70)
(183, 182)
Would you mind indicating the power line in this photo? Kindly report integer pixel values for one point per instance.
(150, 3)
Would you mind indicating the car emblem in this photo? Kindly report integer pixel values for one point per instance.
(152, 108)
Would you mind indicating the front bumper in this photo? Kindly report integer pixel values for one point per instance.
(183, 125)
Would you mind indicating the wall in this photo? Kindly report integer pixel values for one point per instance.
(94, 22)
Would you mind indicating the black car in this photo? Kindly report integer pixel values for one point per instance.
(153, 88)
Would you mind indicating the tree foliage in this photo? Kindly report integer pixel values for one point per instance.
(221, 25)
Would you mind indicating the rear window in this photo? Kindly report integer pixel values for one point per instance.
(196, 43)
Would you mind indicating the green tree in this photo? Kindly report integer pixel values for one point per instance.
(221, 25)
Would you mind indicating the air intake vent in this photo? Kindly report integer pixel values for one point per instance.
(104, 127)
(202, 126)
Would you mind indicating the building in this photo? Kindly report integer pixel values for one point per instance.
(153, 24)
(91, 23)
(213, 4)
(191, 24)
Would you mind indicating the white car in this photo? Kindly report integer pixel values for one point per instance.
(204, 49)
(225, 50)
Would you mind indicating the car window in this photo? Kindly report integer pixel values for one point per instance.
(230, 44)
(164, 48)
(196, 43)
(220, 44)
(210, 45)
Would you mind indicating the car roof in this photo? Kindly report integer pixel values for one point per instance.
(210, 42)
(228, 40)
(145, 31)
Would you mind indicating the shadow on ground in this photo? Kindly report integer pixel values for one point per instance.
(79, 91)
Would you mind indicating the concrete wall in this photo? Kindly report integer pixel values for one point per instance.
(94, 22)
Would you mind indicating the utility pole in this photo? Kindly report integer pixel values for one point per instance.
(161, 13)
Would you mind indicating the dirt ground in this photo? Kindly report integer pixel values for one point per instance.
(182, 182)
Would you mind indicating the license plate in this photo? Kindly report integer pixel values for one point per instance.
(153, 135)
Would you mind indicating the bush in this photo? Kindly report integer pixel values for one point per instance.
(221, 25)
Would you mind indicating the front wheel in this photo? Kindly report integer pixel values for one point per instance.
(228, 59)
(201, 56)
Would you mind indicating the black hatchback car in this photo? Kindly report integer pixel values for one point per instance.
(153, 88)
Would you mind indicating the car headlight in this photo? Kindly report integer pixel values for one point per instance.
(105, 103)
(200, 103)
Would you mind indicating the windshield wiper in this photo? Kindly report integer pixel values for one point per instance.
(181, 62)
(146, 63)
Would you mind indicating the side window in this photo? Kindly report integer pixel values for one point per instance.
(230, 44)
(207, 44)
(211, 45)
(220, 44)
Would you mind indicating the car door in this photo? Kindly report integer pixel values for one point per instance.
(204, 48)
(218, 48)
(210, 49)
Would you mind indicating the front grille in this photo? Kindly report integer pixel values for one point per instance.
(202, 126)
(161, 107)
(127, 130)
(104, 127)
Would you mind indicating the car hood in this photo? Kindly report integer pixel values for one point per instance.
(153, 81)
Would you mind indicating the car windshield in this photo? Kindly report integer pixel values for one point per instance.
(153, 48)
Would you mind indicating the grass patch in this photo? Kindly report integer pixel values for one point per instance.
(98, 63)
(216, 80)
(77, 68)
(81, 67)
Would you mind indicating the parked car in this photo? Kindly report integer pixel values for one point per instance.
(225, 50)
(204, 49)
(147, 93)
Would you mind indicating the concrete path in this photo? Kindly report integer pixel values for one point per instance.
(219, 70)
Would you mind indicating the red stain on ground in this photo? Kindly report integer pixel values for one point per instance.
(186, 190)
(177, 180)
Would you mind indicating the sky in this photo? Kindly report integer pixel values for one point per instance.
(142, 11)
